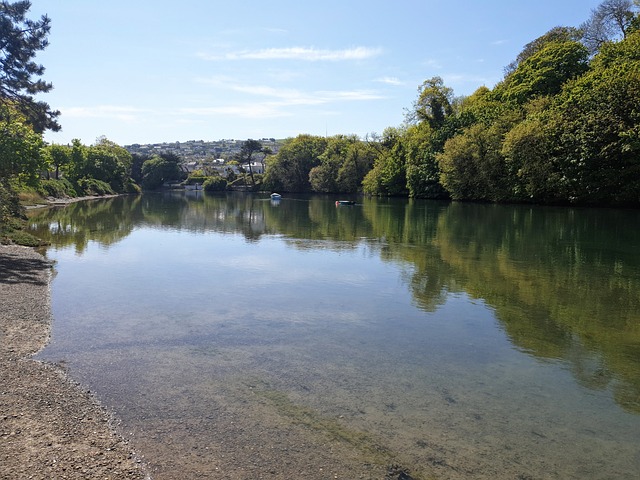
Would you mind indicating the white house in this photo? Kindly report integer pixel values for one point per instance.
(256, 167)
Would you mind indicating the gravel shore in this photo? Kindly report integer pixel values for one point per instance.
(49, 426)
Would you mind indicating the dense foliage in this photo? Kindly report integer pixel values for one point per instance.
(561, 127)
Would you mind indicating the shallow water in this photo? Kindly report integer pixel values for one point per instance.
(240, 338)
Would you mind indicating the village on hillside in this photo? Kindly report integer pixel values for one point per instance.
(195, 150)
(206, 155)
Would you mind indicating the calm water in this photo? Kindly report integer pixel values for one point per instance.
(237, 338)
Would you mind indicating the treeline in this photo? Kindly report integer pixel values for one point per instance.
(563, 126)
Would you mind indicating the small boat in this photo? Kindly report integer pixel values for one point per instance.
(276, 196)
(345, 202)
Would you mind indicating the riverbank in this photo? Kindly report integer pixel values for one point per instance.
(49, 426)
(60, 202)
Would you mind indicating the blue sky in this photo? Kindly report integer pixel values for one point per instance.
(147, 71)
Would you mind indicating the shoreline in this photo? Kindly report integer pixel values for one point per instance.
(61, 202)
(50, 427)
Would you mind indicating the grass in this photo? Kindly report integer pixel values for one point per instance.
(12, 231)
(30, 197)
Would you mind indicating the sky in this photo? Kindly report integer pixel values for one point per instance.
(152, 71)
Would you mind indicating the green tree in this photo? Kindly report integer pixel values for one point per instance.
(158, 170)
(388, 175)
(265, 151)
(78, 160)
(20, 148)
(248, 149)
(59, 157)
(433, 104)
(596, 138)
(473, 167)
(422, 144)
(555, 35)
(526, 148)
(108, 162)
(324, 177)
(289, 170)
(214, 184)
(359, 160)
(544, 72)
(137, 160)
(20, 39)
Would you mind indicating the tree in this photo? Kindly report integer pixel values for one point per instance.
(544, 72)
(324, 177)
(289, 169)
(423, 173)
(359, 160)
(158, 170)
(266, 151)
(556, 34)
(596, 138)
(526, 152)
(610, 20)
(20, 39)
(77, 163)
(246, 154)
(215, 184)
(433, 104)
(20, 148)
(388, 175)
(473, 167)
(58, 156)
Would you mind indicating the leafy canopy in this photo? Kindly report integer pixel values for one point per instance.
(20, 39)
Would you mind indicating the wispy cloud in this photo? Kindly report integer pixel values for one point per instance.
(390, 81)
(309, 54)
(249, 110)
(117, 112)
(276, 102)
(292, 96)
(432, 63)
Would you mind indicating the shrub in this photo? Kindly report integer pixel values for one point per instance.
(215, 184)
(194, 178)
(57, 188)
(131, 187)
(9, 203)
(91, 186)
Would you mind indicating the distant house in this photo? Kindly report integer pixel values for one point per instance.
(224, 170)
(256, 167)
(190, 166)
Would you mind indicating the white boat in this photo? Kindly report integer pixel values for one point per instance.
(276, 196)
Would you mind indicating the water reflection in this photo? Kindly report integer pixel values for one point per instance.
(564, 283)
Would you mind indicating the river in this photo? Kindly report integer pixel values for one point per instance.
(240, 338)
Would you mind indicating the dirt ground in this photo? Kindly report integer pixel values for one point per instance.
(49, 426)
